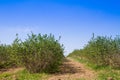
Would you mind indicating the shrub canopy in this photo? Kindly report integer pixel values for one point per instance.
(38, 53)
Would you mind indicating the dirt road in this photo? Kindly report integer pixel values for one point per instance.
(72, 70)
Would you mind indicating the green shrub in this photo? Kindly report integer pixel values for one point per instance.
(38, 53)
(74, 53)
(102, 51)
(9, 54)
(41, 53)
(3, 56)
(6, 57)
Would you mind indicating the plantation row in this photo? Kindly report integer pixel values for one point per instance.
(101, 50)
(38, 53)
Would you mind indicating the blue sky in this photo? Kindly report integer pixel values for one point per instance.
(74, 20)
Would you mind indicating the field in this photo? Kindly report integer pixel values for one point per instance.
(41, 57)
(72, 69)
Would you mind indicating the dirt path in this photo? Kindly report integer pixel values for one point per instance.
(11, 70)
(72, 70)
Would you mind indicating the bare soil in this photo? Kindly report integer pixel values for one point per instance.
(11, 70)
(72, 70)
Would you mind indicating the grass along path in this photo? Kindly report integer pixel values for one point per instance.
(21, 74)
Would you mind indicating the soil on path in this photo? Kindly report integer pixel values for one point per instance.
(11, 70)
(72, 70)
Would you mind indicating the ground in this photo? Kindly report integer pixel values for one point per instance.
(70, 70)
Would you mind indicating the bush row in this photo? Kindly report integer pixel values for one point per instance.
(102, 51)
(38, 53)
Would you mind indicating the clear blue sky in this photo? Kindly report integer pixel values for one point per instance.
(74, 20)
